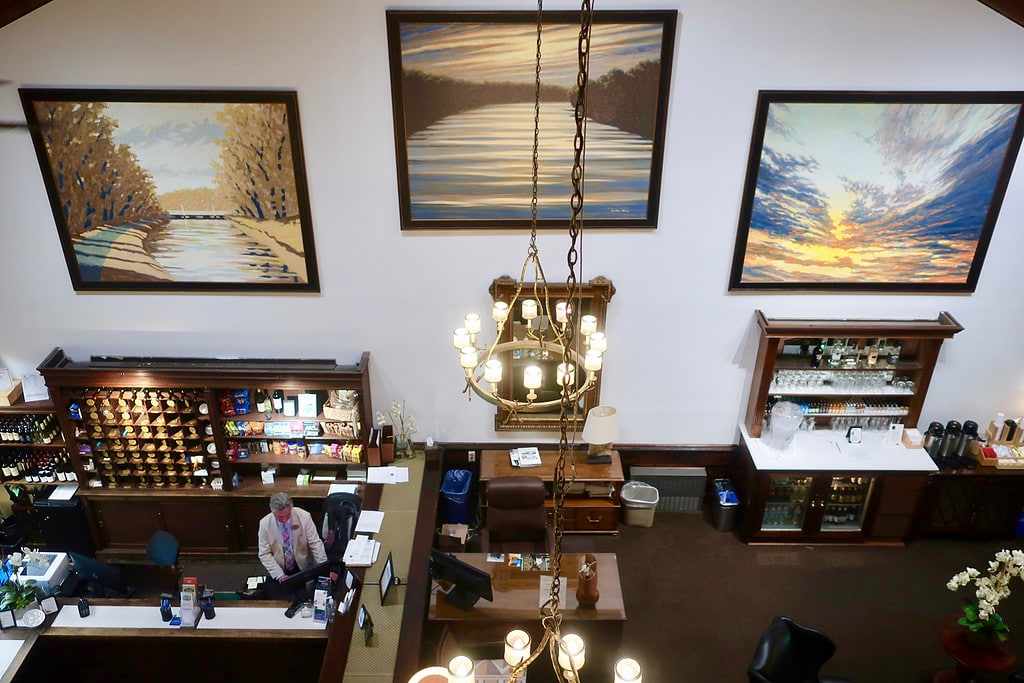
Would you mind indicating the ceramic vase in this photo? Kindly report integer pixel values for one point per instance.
(586, 586)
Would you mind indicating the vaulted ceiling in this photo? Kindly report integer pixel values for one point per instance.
(11, 10)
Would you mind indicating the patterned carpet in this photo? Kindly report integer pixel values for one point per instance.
(697, 600)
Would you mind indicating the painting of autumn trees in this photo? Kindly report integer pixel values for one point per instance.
(173, 189)
(255, 170)
(99, 182)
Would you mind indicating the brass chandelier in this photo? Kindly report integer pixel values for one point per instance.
(579, 344)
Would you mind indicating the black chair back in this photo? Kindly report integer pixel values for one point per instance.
(790, 653)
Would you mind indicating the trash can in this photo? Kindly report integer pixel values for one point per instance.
(455, 496)
(727, 505)
(638, 501)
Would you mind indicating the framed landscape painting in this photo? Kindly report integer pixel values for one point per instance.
(463, 90)
(882, 191)
(176, 190)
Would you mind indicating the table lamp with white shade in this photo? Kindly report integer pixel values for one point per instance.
(600, 430)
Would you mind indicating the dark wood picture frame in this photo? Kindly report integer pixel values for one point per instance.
(874, 191)
(463, 115)
(176, 190)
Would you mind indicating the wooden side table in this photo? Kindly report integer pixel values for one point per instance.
(970, 659)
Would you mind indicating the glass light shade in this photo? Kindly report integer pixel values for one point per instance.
(431, 674)
(473, 323)
(602, 425)
(492, 371)
(628, 671)
(499, 311)
(461, 670)
(531, 377)
(562, 311)
(517, 647)
(572, 653)
(467, 357)
(592, 361)
(598, 342)
(566, 374)
(588, 325)
(460, 337)
(529, 308)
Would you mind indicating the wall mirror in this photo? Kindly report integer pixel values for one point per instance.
(593, 298)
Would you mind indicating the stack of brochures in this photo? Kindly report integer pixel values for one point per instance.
(361, 551)
(528, 456)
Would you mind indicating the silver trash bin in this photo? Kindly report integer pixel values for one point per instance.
(638, 503)
(726, 506)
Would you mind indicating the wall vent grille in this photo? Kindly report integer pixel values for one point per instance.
(680, 489)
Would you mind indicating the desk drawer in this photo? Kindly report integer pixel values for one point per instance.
(592, 519)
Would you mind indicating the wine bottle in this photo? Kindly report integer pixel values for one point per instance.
(278, 400)
(819, 354)
(262, 405)
(872, 353)
(838, 346)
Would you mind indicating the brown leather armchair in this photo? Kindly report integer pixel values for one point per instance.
(516, 519)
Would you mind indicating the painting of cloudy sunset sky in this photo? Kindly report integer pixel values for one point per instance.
(881, 194)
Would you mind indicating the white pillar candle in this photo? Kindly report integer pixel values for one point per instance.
(529, 308)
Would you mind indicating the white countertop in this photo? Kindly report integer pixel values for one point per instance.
(148, 617)
(825, 450)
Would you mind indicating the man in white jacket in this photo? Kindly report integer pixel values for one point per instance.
(288, 539)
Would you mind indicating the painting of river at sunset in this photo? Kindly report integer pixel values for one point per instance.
(465, 96)
(176, 190)
(874, 191)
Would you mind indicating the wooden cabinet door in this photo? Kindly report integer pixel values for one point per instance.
(999, 506)
(126, 523)
(248, 514)
(199, 525)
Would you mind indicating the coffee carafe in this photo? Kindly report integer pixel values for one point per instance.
(933, 439)
(970, 436)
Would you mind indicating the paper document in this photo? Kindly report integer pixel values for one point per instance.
(361, 551)
(545, 588)
(64, 492)
(369, 521)
(343, 488)
(387, 475)
(527, 456)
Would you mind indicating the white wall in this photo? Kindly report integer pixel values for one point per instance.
(398, 295)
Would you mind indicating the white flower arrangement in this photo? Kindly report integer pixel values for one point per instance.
(980, 614)
(405, 425)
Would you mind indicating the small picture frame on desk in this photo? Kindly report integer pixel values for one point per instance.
(365, 624)
(7, 619)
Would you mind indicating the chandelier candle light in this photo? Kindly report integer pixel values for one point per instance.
(484, 365)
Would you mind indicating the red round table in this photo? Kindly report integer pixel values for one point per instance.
(970, 659)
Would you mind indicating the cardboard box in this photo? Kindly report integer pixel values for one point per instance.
(453, 537)
(8, 397)
(912, 438)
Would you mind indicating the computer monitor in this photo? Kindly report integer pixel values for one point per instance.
(297, 582)
(469, 583)
(106, 575)
(387, 579)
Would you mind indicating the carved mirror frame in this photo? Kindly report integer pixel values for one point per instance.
(593, 298)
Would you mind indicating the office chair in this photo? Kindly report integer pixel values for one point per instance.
(791, 653)
(162, 550)
(516, 519)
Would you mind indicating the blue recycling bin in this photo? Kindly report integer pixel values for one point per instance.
(455, 496)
